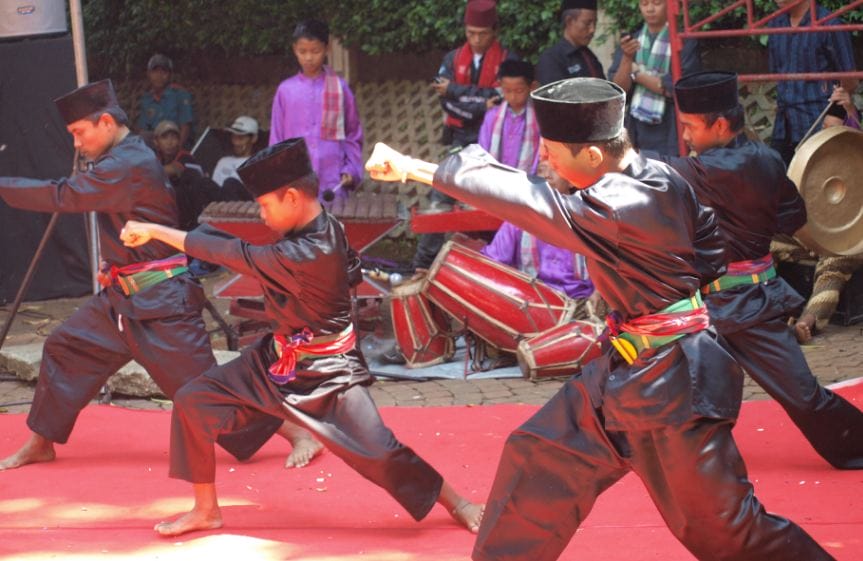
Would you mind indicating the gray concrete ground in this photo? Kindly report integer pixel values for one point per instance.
(834, 356)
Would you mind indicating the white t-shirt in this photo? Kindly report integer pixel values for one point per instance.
(227, 167)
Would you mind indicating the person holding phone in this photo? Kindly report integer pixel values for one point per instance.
(642, 67)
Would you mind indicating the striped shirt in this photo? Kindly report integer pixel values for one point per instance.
(800, 102)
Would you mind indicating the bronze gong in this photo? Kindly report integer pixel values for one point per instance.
(828, 171)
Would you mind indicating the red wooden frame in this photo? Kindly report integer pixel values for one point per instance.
(690, 30)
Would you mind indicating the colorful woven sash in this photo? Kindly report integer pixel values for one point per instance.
(655, 330)
(743, 272)
(136, 277)
(298, 346)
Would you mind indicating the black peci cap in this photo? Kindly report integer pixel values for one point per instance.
(276, 166)
(578, 110)
(87, 100)
(706, 92)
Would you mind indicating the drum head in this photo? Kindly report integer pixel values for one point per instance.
(828, 172)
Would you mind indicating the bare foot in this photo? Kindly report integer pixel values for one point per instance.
(305, 445)
(36, 449)
(469, 515)
(305, 450)
(804, 328)
(192, 521)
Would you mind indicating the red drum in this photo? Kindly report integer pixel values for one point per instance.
(559, 351)
(420, 328)
(498, 303)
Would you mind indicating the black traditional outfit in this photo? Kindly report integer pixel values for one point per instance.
(150, 308)
(661, 400)
(310, 372)
(566, 60)
(746, 184)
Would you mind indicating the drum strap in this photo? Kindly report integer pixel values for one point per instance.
(299, 346)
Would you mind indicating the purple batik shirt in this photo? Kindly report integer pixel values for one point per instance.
(558, 268)
(511, 136)
(297, 111)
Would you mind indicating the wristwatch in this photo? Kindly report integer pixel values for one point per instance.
(635, 70)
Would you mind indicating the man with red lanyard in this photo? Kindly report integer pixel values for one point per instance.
(150, 308)
(467, 84)
(744, 181)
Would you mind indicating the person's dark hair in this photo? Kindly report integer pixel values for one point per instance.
(116, 113)
(308, 184)
(516, 69)
(616, 147)
(566, 15)
(735, 116)
(312, 29)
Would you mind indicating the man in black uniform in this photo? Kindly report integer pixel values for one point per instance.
(663, 397)
(310, 371)
(571, 57)
(150, 309)
(745, 183)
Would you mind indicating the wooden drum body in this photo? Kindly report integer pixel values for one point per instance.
(559, 351)
(494, 301)
(420, 328)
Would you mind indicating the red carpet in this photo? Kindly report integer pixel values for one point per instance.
(109, 485)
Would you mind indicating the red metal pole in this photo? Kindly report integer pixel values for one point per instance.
(676, 70)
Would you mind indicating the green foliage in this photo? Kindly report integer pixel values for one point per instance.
(626, 15)
(124, 33)
(387, 26)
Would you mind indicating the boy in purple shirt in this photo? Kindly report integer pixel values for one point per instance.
(509, 131)
(317, 105)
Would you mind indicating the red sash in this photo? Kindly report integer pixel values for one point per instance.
(462, 64)
(106, 277)
(753, 267)
(284, 370)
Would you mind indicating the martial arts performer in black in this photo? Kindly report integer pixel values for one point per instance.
(150, 308)
(744, 181)
(663, 397)
(310, 370)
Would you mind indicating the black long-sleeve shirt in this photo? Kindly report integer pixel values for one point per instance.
(746, 185)
(125, 183)
(648, 243)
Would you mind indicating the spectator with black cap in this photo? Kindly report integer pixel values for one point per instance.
(164, 101)
(571, 57)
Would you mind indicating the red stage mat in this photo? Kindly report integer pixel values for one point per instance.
(99, 500)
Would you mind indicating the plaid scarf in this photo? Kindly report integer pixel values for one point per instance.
(656, 59)
(333, 114)
(529, 143)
